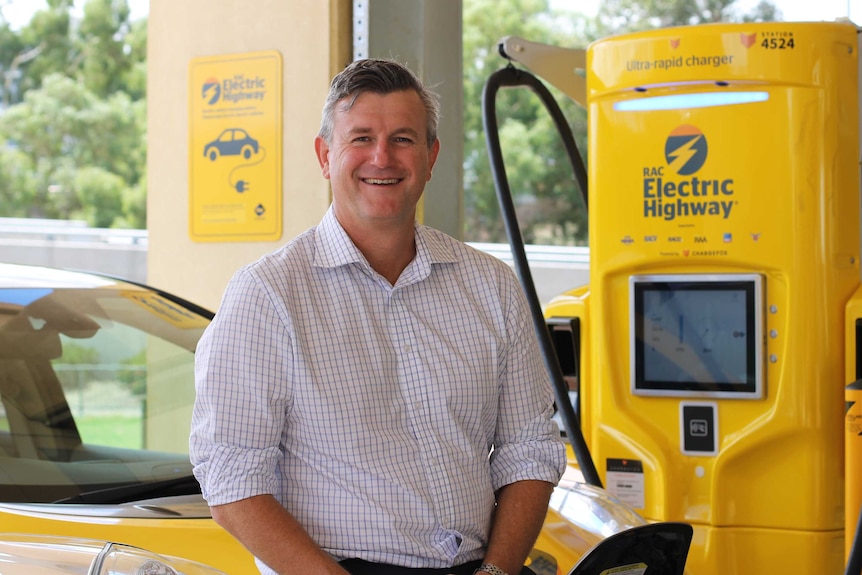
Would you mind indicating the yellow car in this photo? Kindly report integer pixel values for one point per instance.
(96, 389)
(96, 393)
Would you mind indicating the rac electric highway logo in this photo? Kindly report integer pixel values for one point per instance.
(678, 189)
(211, 91)
(685, 150)
(237, 89)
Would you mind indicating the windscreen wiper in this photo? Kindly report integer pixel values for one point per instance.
(185, 485)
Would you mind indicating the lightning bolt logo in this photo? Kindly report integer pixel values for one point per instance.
(685, 150)
(678, 158)
(211, 90)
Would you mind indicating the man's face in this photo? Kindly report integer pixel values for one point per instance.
(378, 160)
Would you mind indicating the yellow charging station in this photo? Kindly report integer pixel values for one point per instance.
(724, 282)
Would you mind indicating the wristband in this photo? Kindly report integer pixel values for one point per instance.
(490, 569)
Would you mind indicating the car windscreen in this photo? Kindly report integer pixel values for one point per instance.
(96, 392)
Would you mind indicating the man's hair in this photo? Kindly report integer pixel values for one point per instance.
(379, 76)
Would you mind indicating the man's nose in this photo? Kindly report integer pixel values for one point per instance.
(382, 153)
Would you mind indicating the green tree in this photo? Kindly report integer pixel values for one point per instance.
(99, 194)
(543, 187)
(18, 184)
(135, 81)
(48, 47)
(75, 115)
(101, 49)
(102, 62)
(12, 54)
(619, 16)
(765, 11)
(85, 153)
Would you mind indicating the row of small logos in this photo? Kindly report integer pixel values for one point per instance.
(726, 238)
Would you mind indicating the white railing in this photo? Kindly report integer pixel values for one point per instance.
(546, 255)
(74, 245)
(123, 253)
(67, 230)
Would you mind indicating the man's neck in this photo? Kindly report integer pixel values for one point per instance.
(388, 250)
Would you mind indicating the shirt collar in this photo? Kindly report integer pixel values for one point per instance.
(334, 248)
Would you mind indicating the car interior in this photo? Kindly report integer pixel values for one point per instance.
(45, 455)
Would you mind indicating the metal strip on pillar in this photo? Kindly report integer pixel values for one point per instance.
(360, 28)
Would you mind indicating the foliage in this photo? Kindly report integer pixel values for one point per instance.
(74, 115)
(618, 16)
(81, 359)
(134, 375)
(76, 354)
(548, 201)
(546, 196)
(125, 431)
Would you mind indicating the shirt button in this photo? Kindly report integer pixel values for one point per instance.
(406, 348)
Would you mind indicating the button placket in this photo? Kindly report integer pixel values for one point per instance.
(420, 406)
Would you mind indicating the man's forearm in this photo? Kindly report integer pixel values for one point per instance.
(272, 534)
(520, 513)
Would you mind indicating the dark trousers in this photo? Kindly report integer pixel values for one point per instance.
(361, 567)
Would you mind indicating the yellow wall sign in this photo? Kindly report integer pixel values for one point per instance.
(235, 136)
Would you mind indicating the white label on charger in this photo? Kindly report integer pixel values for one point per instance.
(628, 487)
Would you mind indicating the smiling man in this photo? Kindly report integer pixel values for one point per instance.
(378, 152)
(370, 397)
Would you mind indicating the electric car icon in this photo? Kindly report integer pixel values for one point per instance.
(232, 142)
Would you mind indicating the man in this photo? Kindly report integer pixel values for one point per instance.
(370, 396)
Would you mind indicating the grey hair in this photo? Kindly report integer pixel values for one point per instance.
(379, 76)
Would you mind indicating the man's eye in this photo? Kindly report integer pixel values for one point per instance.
(362, 139)
(403, 140)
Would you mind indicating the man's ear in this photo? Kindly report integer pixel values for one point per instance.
(432, 156)
(321, 150)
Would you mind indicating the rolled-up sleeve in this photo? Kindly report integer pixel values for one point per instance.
(527, 443)
(241, 395)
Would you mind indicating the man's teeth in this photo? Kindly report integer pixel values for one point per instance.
(378, 181)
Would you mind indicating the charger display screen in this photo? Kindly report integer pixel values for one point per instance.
(697, 335)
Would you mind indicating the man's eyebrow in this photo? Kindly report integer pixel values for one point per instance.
(408, 131)
(359, 130)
